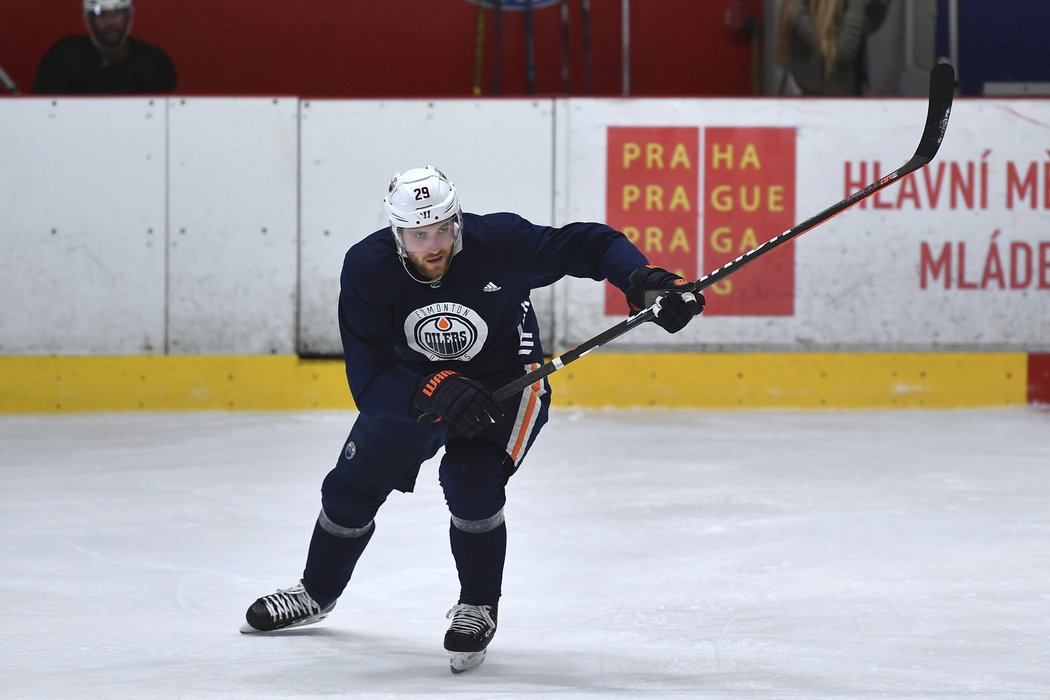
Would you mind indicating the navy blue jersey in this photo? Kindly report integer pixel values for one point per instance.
(478, 320)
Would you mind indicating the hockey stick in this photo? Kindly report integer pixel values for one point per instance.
(942, 87)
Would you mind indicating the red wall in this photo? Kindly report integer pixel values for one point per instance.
(1039, 379)
(407, 48)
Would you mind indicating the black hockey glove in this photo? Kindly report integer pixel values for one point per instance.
(465, 403)
(679, 300)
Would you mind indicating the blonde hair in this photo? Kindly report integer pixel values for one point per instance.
(827, 14)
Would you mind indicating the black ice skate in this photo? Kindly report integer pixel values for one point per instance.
(289, 607)
(470, 632)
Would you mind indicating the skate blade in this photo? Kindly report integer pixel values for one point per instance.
(248, 629)
(461, 661)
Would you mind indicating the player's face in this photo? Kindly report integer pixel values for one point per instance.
(109, 26)
(430, 247)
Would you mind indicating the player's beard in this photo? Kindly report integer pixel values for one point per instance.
(428, 265)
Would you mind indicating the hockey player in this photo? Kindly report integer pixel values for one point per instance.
(434, 314)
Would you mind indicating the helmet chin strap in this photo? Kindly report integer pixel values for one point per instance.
(435, 283)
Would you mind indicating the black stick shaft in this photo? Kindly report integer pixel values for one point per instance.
(628, 324)
(942, 86)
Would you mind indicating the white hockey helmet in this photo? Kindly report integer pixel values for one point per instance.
(420, 197)
(97, 7)
(94, 8)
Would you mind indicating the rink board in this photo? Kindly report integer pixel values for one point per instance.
(221, 223)
(660, 380)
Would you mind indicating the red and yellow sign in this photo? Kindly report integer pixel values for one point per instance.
(652, 195)
(652, 184)
(749, 197)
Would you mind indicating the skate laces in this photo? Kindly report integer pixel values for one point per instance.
(470, 619)
(290, 603)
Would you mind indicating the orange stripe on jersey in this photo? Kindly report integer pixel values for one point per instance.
(525, 421)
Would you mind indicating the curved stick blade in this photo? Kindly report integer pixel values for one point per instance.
(942, 88)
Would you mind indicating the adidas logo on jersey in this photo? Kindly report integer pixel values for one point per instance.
(491, 287)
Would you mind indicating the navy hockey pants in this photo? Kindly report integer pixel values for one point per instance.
(382, 455)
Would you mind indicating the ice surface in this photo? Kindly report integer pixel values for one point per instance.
(761, 554)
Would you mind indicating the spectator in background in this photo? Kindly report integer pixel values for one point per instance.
(821, 43)
(107, 60)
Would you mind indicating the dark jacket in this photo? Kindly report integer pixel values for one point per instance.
(74, 66)
(848, 76)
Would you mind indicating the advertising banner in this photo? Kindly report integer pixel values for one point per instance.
(955, 256)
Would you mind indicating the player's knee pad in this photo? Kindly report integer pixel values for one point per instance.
(333, 528)
(476, 527)
(346, 505)
(472, 477)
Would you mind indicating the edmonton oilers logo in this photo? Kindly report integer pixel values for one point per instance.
(446, 332)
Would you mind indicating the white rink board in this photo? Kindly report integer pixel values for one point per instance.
(141, 226)
(82, 195)
(233, 228)
(499, 154)
(858, 277)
